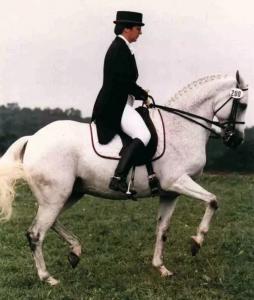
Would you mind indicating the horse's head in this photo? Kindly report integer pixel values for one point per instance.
(231, 113)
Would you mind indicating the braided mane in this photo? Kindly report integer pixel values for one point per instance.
(194, 84)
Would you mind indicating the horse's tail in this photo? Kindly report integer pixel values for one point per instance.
(11, 169)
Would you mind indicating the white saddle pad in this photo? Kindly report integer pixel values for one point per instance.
(112, 149)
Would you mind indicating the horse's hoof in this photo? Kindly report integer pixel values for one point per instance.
(165, 272)
(73, 259)
(52, 281)
(195, 247)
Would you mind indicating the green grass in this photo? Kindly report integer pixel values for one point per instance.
(118, 241)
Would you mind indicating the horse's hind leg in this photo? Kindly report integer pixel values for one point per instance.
(46, 216)
(72, 240)
(167, 206)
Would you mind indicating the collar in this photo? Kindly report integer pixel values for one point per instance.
(130, 46)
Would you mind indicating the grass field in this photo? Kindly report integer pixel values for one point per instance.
(118, 240)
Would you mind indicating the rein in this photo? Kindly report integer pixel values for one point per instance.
(189, 116)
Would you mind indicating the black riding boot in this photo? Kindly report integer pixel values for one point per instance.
(118, 181)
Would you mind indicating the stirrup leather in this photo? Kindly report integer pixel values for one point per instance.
(154, 184)
(131, 191)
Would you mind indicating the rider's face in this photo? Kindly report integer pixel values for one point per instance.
(133, 33)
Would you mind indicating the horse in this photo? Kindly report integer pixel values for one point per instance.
(60, 166)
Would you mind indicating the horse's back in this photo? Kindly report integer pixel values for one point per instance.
(61, 126)
(57, 141)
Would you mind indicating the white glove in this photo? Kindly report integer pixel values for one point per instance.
(148, 102)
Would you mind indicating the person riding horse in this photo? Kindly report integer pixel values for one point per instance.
(113, 111)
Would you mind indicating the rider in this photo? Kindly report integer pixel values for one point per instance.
(113, 111)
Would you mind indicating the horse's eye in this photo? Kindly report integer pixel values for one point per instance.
(243, 106)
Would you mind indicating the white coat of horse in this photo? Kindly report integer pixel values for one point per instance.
(53, 158)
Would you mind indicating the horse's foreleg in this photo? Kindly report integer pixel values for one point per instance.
(186, 186)
(72, 240)
(45, 217)
(166, 209)
(203, 227)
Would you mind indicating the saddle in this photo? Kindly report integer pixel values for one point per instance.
(154, 150)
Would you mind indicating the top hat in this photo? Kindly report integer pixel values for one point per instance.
(129, 17)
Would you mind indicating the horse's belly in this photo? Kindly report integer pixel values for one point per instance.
(97, 178)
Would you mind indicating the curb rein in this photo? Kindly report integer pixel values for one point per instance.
(228, 125)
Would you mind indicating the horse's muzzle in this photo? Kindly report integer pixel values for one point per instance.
(232, 138)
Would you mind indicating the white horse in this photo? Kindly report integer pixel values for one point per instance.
(60, 166)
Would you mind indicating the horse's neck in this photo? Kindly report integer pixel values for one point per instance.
(200, 99)
(200, 96)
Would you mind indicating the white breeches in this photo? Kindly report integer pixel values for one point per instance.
(133, 124)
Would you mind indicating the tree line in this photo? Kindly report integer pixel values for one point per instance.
(16, 122)
(223, 159)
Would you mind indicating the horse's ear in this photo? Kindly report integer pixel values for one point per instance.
(237, 77)
(240, 81)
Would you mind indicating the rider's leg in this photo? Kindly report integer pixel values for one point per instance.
(134, 126)
(118, 181)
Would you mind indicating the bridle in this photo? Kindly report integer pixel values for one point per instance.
(228, 126)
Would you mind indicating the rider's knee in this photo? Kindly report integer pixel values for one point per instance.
(146, 136)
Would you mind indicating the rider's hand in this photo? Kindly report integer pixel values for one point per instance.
(148, 102)
(143, 96)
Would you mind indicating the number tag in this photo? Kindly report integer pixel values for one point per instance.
(236, 93)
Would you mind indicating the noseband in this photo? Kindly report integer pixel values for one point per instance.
(228, 126)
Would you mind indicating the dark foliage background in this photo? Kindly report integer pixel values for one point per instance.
(16, 122)
(223, 159)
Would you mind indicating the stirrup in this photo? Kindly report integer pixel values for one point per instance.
(117, 184)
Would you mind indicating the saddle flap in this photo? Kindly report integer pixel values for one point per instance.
(113, 148)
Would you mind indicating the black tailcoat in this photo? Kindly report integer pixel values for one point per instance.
(119, 80)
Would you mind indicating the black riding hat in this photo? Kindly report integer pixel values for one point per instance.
(129, 17)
